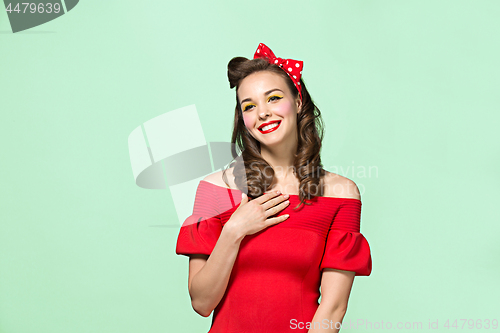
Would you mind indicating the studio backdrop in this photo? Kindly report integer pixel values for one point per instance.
(112, 111)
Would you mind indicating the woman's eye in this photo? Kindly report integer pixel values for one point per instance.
(247, 107)
(274, 98)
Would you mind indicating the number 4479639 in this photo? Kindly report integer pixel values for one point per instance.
(34, 8)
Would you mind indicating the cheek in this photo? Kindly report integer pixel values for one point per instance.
(284, 109)
(249, 121)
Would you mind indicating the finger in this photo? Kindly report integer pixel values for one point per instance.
(265, 197)
(276, 220)
(244, 198)
(274, 201)
(276, 209)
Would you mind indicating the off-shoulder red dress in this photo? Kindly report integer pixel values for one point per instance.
(275, 281)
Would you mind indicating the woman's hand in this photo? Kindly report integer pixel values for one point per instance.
(253, 216)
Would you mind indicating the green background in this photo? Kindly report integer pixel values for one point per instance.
(407, 87)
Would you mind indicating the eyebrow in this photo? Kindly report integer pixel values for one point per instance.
(266, 93)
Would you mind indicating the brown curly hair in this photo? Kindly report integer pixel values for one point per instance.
(249, 175)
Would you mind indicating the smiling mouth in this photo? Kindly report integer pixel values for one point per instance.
(270, 128)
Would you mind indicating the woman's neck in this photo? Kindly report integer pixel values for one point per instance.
(282, 162)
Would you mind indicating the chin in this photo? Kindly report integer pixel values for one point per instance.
(271, 143)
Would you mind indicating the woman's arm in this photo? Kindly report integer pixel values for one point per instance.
(335, 290)
(209, 275)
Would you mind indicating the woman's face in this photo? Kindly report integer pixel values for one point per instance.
(265, 97)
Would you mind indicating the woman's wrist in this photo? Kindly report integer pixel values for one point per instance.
(232, 233)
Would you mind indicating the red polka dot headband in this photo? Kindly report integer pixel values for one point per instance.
(292, 67)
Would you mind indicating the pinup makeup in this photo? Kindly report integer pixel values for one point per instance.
(270, 126)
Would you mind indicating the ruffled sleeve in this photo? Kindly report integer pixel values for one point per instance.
(201, 230)
(346, 248)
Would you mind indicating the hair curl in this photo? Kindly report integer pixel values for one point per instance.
(251, 166)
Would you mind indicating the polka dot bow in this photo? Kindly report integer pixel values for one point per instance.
(292, 67)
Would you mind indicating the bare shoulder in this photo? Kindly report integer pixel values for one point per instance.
(340, 186)
(217, 179)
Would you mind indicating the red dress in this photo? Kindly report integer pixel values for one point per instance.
(275, 281)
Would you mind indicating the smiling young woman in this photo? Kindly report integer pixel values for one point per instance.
(256, 262)
(269, 112)
(279, 157)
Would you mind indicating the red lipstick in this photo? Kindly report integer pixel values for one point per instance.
(271, 129)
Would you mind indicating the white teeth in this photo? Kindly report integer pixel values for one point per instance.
(265, 128)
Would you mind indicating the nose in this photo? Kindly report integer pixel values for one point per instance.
(264, 112)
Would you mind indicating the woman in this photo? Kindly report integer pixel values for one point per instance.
(259, 263)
